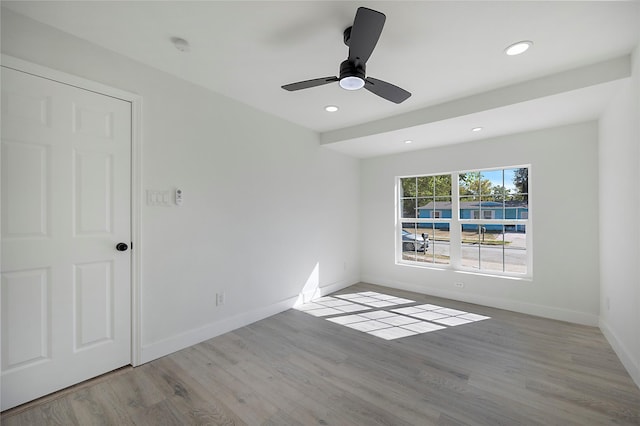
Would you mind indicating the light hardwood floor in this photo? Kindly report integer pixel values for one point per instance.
(297, 369)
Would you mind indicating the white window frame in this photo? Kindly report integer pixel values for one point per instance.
(455, 226)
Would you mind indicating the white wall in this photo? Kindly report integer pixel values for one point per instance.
(564, 211)
(268, 213)
(619, 158)
(266, 209)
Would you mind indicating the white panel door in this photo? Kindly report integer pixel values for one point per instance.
(65, 205)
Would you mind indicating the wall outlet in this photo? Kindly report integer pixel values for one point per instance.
(220, 299)
(459, 285)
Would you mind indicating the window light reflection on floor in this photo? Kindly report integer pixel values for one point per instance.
(400, 321)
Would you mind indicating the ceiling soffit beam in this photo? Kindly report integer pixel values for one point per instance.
(577, 78)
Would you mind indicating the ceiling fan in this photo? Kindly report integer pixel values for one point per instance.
(361, 38)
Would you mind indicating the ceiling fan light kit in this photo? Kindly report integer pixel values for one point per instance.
(361, 38)
(351, 83)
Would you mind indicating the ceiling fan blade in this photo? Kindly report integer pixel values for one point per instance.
(366, 30)
(386, 90)
(309, 83)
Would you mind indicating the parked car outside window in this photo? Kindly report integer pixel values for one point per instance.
(413, 242)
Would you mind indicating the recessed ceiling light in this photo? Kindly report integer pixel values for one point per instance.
(181, 44)
(331, 108)
(408, 141)
(477, 129)
(518, 48)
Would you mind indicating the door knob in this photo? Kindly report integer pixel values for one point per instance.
(122, 247)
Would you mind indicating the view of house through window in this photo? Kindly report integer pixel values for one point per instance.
(485, 213)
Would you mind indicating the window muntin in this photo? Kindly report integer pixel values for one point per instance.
(489, 217)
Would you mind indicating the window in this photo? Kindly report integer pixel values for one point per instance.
(424, 236)
(473, 220)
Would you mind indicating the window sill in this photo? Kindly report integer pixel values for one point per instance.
(443, 268)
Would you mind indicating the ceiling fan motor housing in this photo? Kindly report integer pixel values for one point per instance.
(350, 69)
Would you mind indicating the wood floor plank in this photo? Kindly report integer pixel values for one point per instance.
(196, 404)
(298, 369)
(91, 407)
(56, 411)
(240, 397)
(136, 390)
(164, 413)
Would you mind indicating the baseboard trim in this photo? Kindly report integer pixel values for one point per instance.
(192, 337)
(621, 350)
(510, 305)
(338, 285)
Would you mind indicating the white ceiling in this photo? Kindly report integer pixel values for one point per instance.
(439, 51)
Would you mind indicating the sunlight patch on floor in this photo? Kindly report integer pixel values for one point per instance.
(401, 321)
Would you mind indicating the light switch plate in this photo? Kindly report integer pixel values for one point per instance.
(159, 198)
